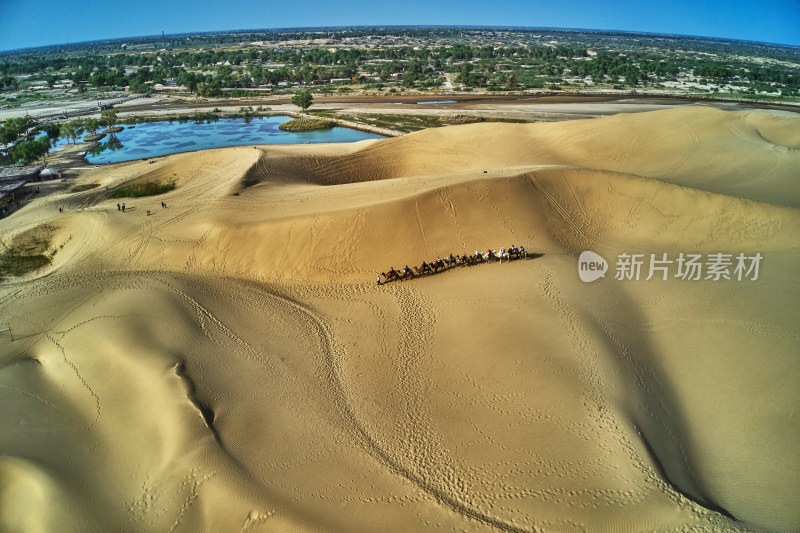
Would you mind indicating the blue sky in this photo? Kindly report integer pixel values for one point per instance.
(28, 23)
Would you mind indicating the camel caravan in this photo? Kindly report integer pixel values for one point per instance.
(440, 265)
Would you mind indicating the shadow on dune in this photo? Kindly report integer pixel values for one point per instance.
(680, 453)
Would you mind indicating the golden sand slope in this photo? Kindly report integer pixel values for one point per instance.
(228, 364)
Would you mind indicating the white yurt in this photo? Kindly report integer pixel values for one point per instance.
(49, 174)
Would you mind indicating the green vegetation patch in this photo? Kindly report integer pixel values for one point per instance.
(408, 123)
(29, 251)
(149, 188)
(306, 124)
(403, 123)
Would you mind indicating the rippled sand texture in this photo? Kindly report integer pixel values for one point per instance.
(229, 364)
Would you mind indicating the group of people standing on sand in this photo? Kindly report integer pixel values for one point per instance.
(441, 265)
(121, 207)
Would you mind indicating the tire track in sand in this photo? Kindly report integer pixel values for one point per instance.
(421, 227)
(557, 206)
(445, 196)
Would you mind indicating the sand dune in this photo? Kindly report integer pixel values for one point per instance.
(751, 155)
(228, 363)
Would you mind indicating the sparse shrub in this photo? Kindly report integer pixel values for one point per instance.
(149, 188)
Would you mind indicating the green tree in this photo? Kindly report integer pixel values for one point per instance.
(67, 129)
(13, 129)
(210, 88)
(463, 73)
(511, 81)
(139, 87)
(108, 117)
(91, 124)
(29, 151)
(302, 99)
(9, 81)
(53, 131)
(72, 129)
(189, 80)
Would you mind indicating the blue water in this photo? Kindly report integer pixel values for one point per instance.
(152, 139)
(438, 102)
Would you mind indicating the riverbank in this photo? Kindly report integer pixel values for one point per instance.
(394, 115)
(71, 155)
(531, 106)
(371, 112)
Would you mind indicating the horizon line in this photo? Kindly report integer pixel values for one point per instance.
(391, 26)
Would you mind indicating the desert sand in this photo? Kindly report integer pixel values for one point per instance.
(228, 363)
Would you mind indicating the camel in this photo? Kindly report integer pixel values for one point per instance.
(393, 274)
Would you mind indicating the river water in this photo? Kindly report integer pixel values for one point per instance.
(152, 139)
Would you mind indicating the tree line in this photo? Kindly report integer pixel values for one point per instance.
(207, 72)
(510, 66)
(30, 141)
